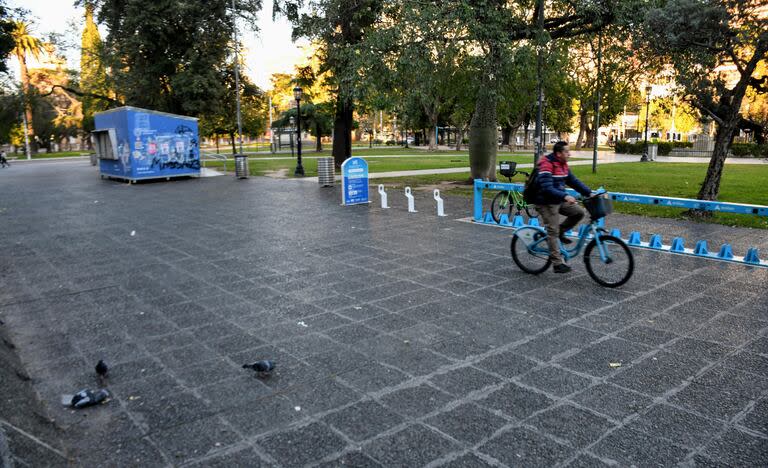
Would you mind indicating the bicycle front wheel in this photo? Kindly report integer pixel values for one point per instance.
(501, 203)
(610, 264)
(530, 251)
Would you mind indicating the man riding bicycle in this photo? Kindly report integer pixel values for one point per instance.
(552, 200)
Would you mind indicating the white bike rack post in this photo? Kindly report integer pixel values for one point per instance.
(383, 195)
(411, 206)
(440, 210)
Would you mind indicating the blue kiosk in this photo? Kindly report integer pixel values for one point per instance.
(136, 144)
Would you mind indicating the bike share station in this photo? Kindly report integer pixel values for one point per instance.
(137, 144)
(635, 239)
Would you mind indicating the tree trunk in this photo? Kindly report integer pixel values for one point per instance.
(27, 102)
(506, 131)
(217, 144)
(525, 134)
(460, 137)
(232, 140)
(710, 188)
(432, 135)
(482, 137)
(582, 128)
(319, 143)
(342, 131)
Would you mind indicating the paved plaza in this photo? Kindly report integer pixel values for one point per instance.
(400, 339)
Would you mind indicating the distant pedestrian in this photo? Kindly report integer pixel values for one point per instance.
(3, 160)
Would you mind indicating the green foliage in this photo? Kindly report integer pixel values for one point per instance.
(93, 74)
(749, 150)
(6, 36)
(171, 55)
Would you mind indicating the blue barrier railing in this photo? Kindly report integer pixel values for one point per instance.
(724, 253)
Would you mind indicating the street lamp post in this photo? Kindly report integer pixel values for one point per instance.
(297, 94)
(648, 90)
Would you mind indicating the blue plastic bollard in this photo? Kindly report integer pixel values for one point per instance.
(701, 248)
(533, 221)
(655, 242)
(504, 219)
(678, 245)
(726, 252)
(753, 256)
(634, 238)
(518, 221)
(488, 218)
(601, 222)
(616, 232)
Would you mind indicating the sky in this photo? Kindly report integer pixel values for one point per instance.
(267, 52)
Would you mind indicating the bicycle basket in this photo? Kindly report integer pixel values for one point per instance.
(507, 168)
(598, 206)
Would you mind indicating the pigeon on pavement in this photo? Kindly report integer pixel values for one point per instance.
(261, 367)
(101, 368)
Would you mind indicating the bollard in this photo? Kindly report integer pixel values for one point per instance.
(440, 211)
(701, 248)
(655, 242)
(678, 245)
(504, 220)
(753, 256)
(518, 221)
(533, 222)
(616, 232)
(383, 196)
(726, 252)
(411, 205)
(634, 238)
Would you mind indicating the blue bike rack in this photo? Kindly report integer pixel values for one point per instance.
(700, 250)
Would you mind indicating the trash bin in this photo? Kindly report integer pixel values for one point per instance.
(653, 151)
(241, 166)
(326, 172)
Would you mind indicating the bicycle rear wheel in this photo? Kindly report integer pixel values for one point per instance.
(530, 210)
(530, 251)
(501, 203)
(617, 266)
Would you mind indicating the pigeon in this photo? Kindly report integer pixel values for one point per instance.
(85, 398)
(101, 368)
(261, 367)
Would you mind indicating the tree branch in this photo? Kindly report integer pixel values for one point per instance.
(83, 94)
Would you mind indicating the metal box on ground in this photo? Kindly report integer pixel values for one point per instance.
(136, 144)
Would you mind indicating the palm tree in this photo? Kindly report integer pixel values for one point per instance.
(25, 43)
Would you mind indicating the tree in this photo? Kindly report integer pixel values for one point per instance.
(702, 39)
(253, 109)
(339, 27)
(7, 42)
(170, 55)
(26, 44)
(93, 75)
(620, 73)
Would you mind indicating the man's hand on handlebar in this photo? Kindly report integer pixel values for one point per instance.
(570, 200)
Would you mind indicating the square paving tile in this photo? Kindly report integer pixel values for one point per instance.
(737, 448)
(515, 401)
(627, 447)
(464, 380)
(416, 401)
(523, 447)
(556, 381)
(578, 426)
(612, 400)
(302, 445)
(415, 445)
(467, 422)
(606, 357)
(363, 420)
(681, 427)
(658, 374)
(507, 364)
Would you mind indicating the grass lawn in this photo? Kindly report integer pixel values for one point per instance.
(740, 184)
(61, 154)
(404, 162)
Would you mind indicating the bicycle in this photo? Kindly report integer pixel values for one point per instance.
(608, 259)
(510, 200)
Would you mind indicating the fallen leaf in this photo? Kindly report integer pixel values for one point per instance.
(615, 364)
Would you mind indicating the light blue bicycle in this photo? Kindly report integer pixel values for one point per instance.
(608, 259)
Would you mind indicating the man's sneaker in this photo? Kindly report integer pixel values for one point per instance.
(562, 268)
(565, 241)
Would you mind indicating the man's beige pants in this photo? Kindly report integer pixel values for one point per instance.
(551, 216)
